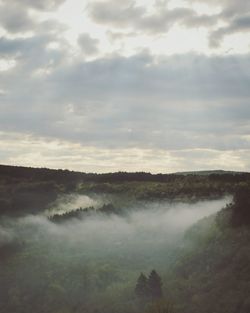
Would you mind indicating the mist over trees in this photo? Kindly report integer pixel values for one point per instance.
(141, 288)
(241, 206)
(155, 285)
(70, 245)
(149, 288)
(32, 190)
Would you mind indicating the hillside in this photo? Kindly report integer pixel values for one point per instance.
(74, 242)
(213, 273)
(32, 190)
(210, 172)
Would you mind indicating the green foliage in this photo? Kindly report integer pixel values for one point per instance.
(149, 290)
(160, 306)
(141, 288)
(32, 190)
(155, 285)
(208, 271)
(241, 206)
(212, 273)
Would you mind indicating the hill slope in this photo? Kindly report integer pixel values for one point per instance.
(212, 273)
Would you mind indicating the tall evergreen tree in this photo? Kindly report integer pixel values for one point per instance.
(155, 285)
(241, 206)
(141, 288)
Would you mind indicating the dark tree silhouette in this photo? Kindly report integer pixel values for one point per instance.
(141, 288)
(241, 206)
(155, 285)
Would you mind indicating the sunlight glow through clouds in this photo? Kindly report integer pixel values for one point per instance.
(75, 15)
(6, 65)
(30, 151)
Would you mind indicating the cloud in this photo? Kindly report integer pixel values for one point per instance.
(178, 102)
(118, 35)
(51, 90)
(88, 45)
(203, 20)
(226, 6)
(161, 19)
(234, 15)
(27, 150)
(131, 16)
(240, 24)
(15, 20)
(45, 5)
(117, 13)
(32, 56)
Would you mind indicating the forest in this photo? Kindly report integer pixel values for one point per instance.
(74, 242)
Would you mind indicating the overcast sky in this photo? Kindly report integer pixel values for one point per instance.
(100, 86)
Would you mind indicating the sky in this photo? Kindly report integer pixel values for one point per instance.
(136, 85)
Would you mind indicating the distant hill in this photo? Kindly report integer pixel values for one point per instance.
(213, 271)
(209, 172)
(56, 267)
(31, 190)
(46, 173)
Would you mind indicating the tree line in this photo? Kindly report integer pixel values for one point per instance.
(149, 288)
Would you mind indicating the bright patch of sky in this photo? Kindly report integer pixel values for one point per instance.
(74, 14)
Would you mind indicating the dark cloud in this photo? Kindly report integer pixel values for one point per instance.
(171, 103)
(30, 53)
(237, 25)
(116, 13)
(229, 8)
(45, 5)
(15, 16)
(88, 45)
(234, 14)
(160, 20)
(127, 14)
(15, 20)
(116, 35)
(226, 5)
(176, 102)
(196, 21)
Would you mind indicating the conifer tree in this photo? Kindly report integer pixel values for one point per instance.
(154, 285)
(141, 288)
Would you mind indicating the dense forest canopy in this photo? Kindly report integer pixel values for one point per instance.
(33, 189)
(124, 242)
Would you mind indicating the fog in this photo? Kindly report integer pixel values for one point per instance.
(67, 203)
(146, 225)
(91, 263)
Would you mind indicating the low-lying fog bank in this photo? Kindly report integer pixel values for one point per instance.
(91, 264)
(154, 222)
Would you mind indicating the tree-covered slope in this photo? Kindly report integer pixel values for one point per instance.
(32, 190)
(88, 260)
(212, 273)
